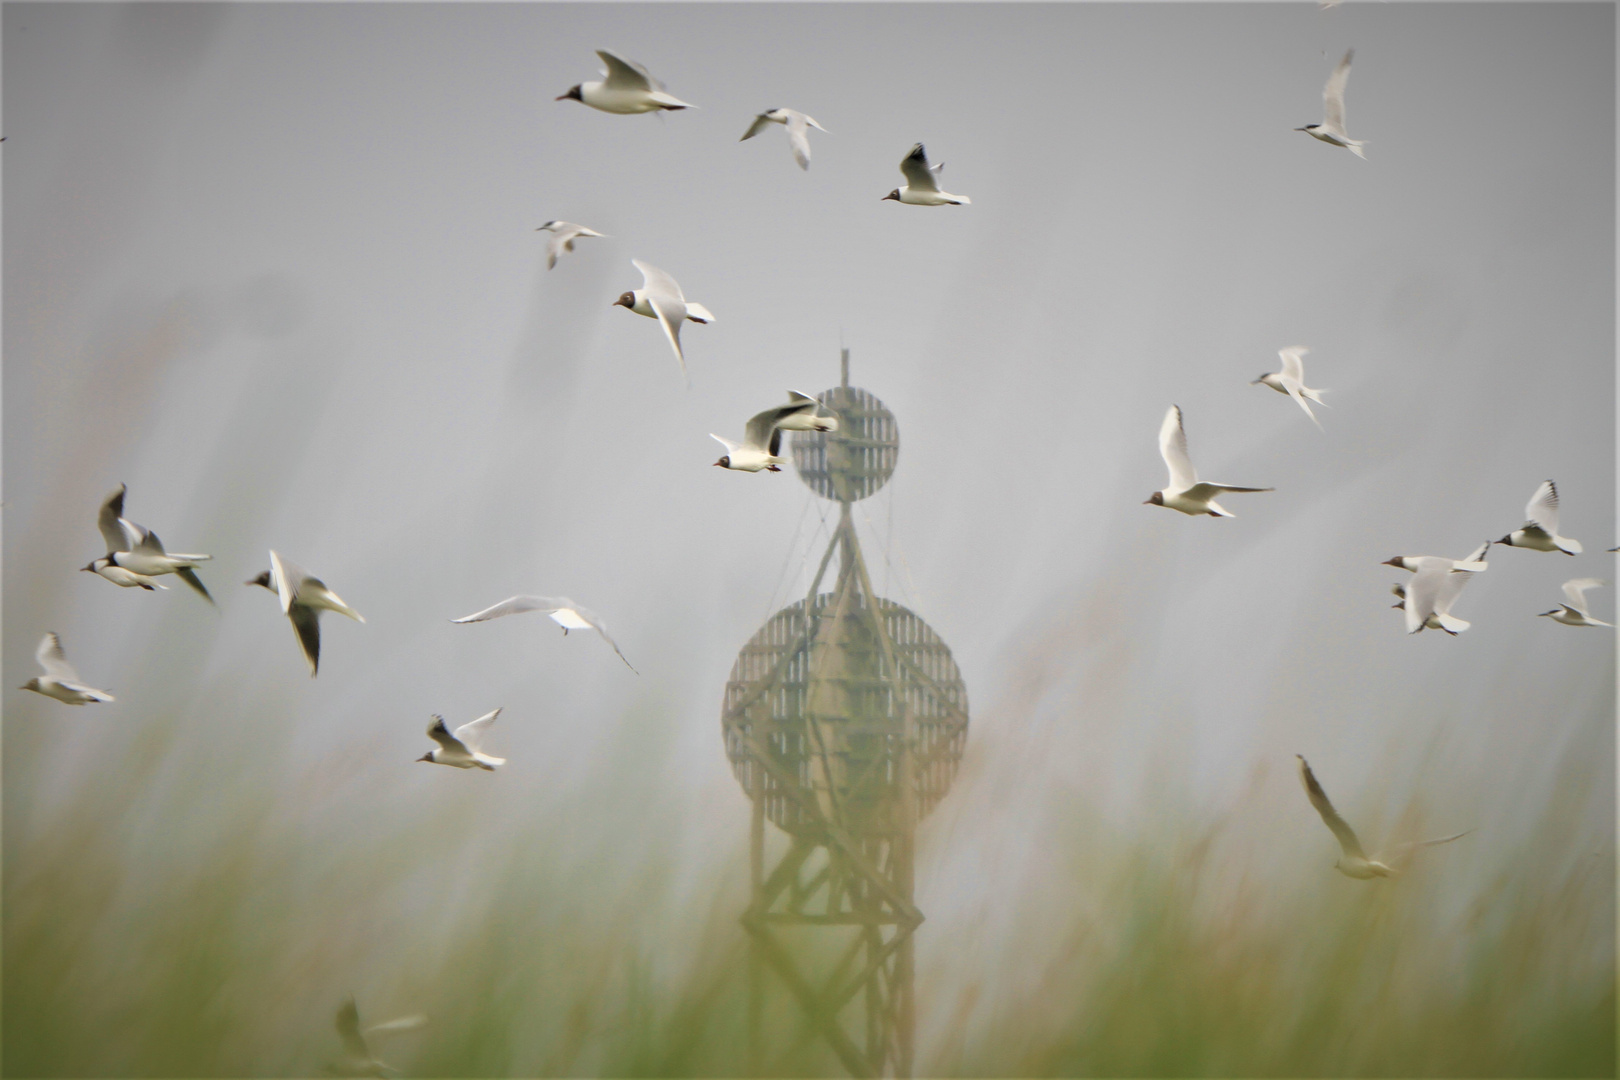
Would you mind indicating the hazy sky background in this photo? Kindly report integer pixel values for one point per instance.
(275, 267)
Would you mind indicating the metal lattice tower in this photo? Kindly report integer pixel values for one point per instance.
(845, 718)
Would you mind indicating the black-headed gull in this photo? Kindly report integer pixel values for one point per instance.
(135, 555)
(627, 88)
(1331, 129)
(1427, 601)
(461, 750)
(1575, 612)
(1473, 563)
(357, 1059)
(660, 298)
(303, 598)
(563, 235)
(1184, 492)
(1290, 381)
(797, 124)
(1354, 861)
(762, 438)
(563, 611)
(1540, 531)
(60, 681)
(922, 183)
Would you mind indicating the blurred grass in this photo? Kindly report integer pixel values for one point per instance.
(570, 942)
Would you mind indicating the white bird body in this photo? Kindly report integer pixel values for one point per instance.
(1540, 530)
(1331, 129)
(563, 611)
(797, 124)
(1184, 492)
(60, 681)
(127, 579)
(135, 555)
(1290, 381)
(660, 298)
(563, 235)
(922, 183)
(462, 750)
(303, 598)
(1354, 861)
(1575, 612)
(626, 88)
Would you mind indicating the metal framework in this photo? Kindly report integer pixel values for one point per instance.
(844, 719)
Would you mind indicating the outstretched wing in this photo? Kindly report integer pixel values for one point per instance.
(472, 733)
(1173, 448)
(1292, 365)
(1330, 817)
(762, 428)
(1423, 595)
(798, 138)
(671, 312)
(515, 605)
(1575, 590)
(189, 576)
(916, 171)
(112, 533)
(761, 122)
(654, 280)
(625, 74)
(595, 622)
(1542, 509)
(347, 1022)
(441, 735)
(54, 660)
(306, 623)
(1333, 93)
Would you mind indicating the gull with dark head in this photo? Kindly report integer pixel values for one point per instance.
(1437, 582)
(922, 183)
(1354, 862)
(762, 438)
(303, 598)
(135, 555)
(563, 235)
(461, 750)
(60, 681)
(1290, 381)
(1540, 529)
(1184, 492)
(660, 298)
(798, 126)
(627, 87)
(357, 1059)
(1575, 612)
(563, 611)
(1331, 129)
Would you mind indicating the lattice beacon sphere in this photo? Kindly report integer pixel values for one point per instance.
(856, 460)
(819, 700)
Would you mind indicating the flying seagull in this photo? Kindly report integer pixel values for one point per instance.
(60, 681)
(1575, 612)
(1354, 862)
(1184, 492)
(660, 298)
(798, 126)
(922, 183)
(1473, 562)
(461, 749)
(135, 555)
(1331, 129)
(1290, 381)
(1540, 531)
(563, 235)
(762, 438)
(357, 1059)
(628, 88)
(563, 611)
(303, 598)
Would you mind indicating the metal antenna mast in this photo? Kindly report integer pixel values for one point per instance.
(845, 718)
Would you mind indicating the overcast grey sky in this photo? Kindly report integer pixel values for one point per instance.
(275, 267)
